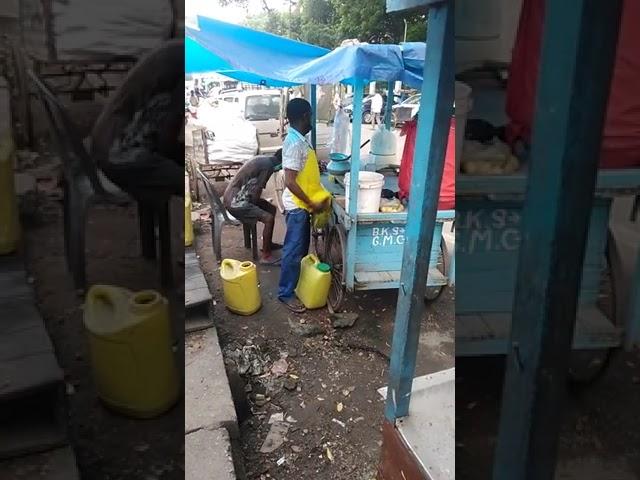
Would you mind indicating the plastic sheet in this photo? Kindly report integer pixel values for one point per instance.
(265, 59)
(341, 134)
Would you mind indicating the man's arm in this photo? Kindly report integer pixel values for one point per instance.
(290, 182)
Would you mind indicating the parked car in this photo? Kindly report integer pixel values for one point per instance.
(405, 111)
(262, 108)
(230, 137)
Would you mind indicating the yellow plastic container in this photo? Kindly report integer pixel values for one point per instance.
(188, 226)
(314, 282)
(130, 341)
(240, 286)
(9, 223)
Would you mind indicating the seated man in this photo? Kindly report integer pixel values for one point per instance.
(242, 199)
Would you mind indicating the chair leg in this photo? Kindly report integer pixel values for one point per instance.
(216, 233)
(247, 235)
(166, 270)
(78, 206)
(146, 218)
(66, 220)
(254, 241)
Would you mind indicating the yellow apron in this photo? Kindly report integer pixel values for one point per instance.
(309, 181)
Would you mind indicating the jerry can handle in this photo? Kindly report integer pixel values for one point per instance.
(226, 263)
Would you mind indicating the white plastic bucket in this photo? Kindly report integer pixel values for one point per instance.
(463, 106)
(369, 191)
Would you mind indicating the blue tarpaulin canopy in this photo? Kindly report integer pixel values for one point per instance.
(262, 58)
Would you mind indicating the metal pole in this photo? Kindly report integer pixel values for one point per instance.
(314, 115)
(353, 184)
(579, 42)
(436, 107)
(387, 110)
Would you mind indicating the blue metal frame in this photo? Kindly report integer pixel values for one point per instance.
(389, 105)
(353, 185)
(314, 115)
(436, 107)
(579, 42)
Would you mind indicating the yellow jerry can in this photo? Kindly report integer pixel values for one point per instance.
(9, 222)
(314, 282)
(240, 286)
(131, 354)
(188, 226)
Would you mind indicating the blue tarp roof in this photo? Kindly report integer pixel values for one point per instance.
(262, 58)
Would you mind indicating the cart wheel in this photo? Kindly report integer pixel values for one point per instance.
(432, 293)
(335, 255)
(585, 366)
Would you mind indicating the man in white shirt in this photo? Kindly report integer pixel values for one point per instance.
(302, 182)
(376, 110)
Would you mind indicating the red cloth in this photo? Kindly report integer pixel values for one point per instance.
(447, 199)
(621, 137)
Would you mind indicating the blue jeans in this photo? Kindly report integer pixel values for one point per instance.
(296, 246)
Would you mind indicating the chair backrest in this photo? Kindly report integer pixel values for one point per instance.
(75, 158)
(214, 199)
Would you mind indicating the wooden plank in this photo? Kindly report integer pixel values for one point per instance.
(579, 42)
(613, 182)
(435, 278)
(431, 138)
(397, 462)
(489, 333)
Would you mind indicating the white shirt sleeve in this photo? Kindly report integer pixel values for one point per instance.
(294, 153)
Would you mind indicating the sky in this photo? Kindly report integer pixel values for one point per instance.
(231, 14)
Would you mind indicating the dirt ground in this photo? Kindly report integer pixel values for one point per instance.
(332, 378)
(108, 446)
(601, 422)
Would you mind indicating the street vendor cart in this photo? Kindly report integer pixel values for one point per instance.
(364, 249)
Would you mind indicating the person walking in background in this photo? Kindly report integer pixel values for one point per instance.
(376, 109)
(302, 181)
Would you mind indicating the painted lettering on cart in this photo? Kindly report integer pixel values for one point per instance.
(489, 230)
(386, 236)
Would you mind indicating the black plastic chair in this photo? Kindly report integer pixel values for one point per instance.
(84, 185)
(220, 217)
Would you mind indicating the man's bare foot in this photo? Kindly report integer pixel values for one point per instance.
(269, 260)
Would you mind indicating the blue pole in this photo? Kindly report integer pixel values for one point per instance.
(579, 42)
(387, 110)
(314, 115)
(353, 185)
(436, 107)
